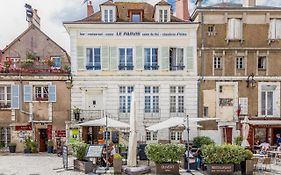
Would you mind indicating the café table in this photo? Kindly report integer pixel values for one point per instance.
(275, 155)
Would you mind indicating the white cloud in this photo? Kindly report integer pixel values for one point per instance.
(54, 12)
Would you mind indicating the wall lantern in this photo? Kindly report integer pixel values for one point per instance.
(251, 82)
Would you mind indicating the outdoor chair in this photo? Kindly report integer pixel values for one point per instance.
(255, 162)
(267, 163)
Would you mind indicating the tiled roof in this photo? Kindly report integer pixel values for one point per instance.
(122, 12)
(235, 5)
(110, 2)
(163, 2)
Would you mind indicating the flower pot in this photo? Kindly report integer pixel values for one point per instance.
(117, 165)
(83, 166)
(12, 148)
(220, 169)
(50, 149)
(167, 168)
(247, 167)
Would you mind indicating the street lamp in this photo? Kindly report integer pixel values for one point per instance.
(187, 141)
(251, 82)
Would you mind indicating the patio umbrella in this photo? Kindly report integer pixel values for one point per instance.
(245, 132)
(176, 121)
(111, 123)
(132, 149)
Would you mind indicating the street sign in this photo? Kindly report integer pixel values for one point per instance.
(94, 151)
(65, 157)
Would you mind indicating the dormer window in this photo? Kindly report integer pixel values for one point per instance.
(163, 15)
(108, 15)
(136, 15)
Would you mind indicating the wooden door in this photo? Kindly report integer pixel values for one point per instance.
(43, 139)
(227, 132)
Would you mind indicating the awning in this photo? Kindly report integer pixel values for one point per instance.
(265, 122)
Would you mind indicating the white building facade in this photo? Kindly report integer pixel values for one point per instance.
(136, 47)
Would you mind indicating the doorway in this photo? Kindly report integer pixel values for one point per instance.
(43, 139)
(274, 133)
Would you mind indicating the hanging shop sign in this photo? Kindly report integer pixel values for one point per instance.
(134, 34)
(24, 128)
(60, 133)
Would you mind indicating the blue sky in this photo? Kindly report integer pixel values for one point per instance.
(12, 14)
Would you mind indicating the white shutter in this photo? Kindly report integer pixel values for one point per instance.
(276, 102)
(27, 93)
(243, 102)
(272, 29)
(237, 28)
(278, 29)
(230, 29)
(15, 103)
(52, 93)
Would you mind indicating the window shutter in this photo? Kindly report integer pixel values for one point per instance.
(165, 58)
(27, 93)
(15, 104)
(276, 101)
(139, 58)
(230, 29)
(243, 102)
(105, 57)
(52, 93)
(113, 58)
(278, 29)
(189, 59)
(238, 27)
(80, 58)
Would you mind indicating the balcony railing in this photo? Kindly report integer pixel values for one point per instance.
(86, 115)
(176, 67)
(124, 67)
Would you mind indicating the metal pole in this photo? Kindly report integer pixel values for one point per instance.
(106, 142)
(187, 141)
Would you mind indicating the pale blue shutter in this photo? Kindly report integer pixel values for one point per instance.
(113, 58)
(15, 102)
(27, 89)
(189, 59)
(139, 58)
(52, 93)
(80, 58)
(105, 57)
(165, 58)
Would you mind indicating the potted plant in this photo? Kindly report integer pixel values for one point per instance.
(117, 163)
(165, 156)
(199, 141)
(220, 159)
(247, 166)
(76, 112)
(81, 163)
(50, 146)
(12, 147)
(27, 145)
(33, 147)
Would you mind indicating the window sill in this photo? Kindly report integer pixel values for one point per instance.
(261, 69)
(218, 68)
(240, 68)
(40, 101)
(5, 109)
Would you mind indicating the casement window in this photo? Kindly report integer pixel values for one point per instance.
(136, 15)
(177, 99)
(269, 100)
(234, 29)
(151, 99)
(57, 62)
(267, 103)
(240, 62)
(5, 97)
(262, 62)
(211, 30)
(93, 59)
(176, 135)
(151, 59)
(41, 93)
(125, 98)
(275, 29)
(126, 59)
(163, 15)
(217, 62)
(5, 136)
(108, 15)
(150, 135)
(176, 59)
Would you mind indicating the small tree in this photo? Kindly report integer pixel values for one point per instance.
(202, 140)
(79, 150)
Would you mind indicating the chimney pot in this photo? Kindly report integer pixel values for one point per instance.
(90, 9)
(182, 11)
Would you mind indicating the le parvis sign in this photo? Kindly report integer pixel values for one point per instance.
(133, 34)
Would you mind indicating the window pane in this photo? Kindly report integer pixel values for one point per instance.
(172, 103)
(129, 57)
(57, 62)
(263, 103)
(165, 15)
(97, 63)
(122, 57)
(106, 15)
(180, 57)
(122, 89)
(155, 89)
(89, 55)
(130, 89)
(173, 89)
(110, 15)
(147, 104)
(269, 103)
(154, 57)
(181, 89)
(147, 58)
(136, 18)
(122, 104)
(161, 15)
(129, 103)
(147, 89)
(148, 135)
(155, 103)
(180, 104)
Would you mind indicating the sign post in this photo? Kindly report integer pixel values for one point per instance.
(65, 157)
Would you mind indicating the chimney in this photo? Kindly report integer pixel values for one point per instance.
(198, 3)
(182, 11)
(90, 9)
(249, 3)
(35, 19)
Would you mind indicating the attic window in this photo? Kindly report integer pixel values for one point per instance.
(136, 15)
(163, 15)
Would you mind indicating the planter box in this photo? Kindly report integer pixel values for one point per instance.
(220, 169)
(83, 166)
(167, 168)
(12, 149)
(247, 167)
(117, 165)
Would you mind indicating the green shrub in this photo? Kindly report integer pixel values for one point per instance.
(50, 143)
(223, 154)
(248, 154)
(238, 140)
(79, 149)
(12, 144)
(117, 156)
(163, 153)
(27, 143)
(202, 140)
(33, 147)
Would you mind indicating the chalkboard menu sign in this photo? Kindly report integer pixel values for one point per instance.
(94, 151)
(65, 157)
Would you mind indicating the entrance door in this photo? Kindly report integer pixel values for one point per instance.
(43, 139)
(94, 100)
(227, 133)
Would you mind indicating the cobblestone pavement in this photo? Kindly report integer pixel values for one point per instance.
(51, 164)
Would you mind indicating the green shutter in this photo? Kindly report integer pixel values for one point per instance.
(105, 58)
(139, 58)
(113, 58)
(164, 58)
(80, 58)
(189, 59)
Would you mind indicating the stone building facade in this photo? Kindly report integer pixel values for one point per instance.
(239, 61)
(34, 98)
